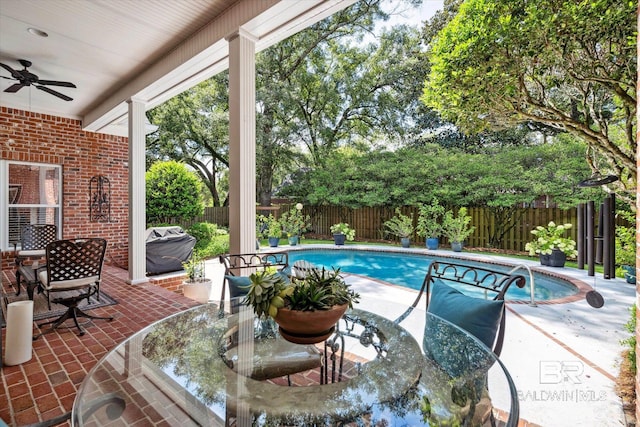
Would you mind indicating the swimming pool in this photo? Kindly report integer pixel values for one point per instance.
(405, 269)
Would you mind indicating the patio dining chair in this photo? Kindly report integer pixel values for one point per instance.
(289, 358)
(73, 272)
(237, 268)
(471, 298)
(34, 238)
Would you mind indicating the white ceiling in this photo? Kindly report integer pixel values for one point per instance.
(151, 50)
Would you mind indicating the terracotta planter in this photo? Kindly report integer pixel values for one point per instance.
(308, 327)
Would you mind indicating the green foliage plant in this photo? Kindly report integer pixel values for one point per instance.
(630, 343)
(173, 193)
(273, 227)
(457, 228)
(626, 240)
(194, 267)
(294, 223)
(430, 218)
(400, 225)
(319, 290)
(551, 237)
(211, 240)
(343, 228)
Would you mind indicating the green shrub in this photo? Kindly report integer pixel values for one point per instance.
(211, 241)
(173, 193)
(630, 342)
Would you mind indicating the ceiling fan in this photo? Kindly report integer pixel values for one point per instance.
(25, 78)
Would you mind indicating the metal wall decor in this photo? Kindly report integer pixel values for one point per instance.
(99, 199)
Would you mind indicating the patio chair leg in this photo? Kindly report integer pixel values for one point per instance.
(73, 312)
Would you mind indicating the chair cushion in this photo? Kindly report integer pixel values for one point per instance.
(63, 285)
(238, 285)
(461, 358)
(31, 253)
(477, 316)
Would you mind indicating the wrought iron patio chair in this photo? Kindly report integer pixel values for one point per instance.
(73, 267)
(237, 268)
(481, 312)
(290, 358)
(493, 284)
(34, 238)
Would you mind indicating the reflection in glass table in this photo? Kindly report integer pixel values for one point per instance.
(203, 367)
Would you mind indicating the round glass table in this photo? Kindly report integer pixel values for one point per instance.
(207, 367)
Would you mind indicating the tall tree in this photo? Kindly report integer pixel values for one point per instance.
(193, 127)
(567, 65)
(326, 86)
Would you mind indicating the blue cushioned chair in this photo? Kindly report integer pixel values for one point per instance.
(469, 297)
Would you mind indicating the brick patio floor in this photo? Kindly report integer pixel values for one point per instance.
(46, 386)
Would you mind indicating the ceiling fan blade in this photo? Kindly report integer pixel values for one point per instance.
(14, 88)
(54, 93)
(14, 73)
(55, 83)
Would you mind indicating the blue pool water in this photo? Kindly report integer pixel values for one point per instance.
(409, 270)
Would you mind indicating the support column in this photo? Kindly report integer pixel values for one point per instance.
(242, 143)
(137, 193)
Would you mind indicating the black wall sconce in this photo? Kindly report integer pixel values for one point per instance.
(99, 199)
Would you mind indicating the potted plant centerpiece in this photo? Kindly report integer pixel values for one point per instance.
(626, 247)
(430, 223)
(294, 223)
(305, 309)
(273, 230)
(551, 246)
(457, 228)
(197, 286)
(402, 226)
(341, 232)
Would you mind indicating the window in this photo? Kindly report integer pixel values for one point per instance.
(32, 195)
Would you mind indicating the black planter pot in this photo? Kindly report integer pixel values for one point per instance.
(557, 258)
(339, 239)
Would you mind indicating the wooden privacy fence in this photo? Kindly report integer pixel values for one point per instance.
(369, 222)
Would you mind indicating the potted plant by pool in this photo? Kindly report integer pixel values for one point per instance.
(341, 232)
(626, 247)
(550, 244)
(457, 228)
(197, 286)
(401, 226)
(306, 310)
(273, 231)
(430, 223)
(294, 223)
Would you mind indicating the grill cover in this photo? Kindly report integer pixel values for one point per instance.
(167, 249)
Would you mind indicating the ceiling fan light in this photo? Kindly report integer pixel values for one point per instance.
(37, 32)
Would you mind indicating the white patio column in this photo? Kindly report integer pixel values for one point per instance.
(242, 143)
(137, 193)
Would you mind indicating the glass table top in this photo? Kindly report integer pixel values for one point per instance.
(204, 367)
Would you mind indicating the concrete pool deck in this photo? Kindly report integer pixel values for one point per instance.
(563, 357)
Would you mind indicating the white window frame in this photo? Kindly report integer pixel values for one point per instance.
(4, 200)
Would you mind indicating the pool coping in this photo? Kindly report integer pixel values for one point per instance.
(581, 286)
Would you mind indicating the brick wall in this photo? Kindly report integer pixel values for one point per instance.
(41, 138)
